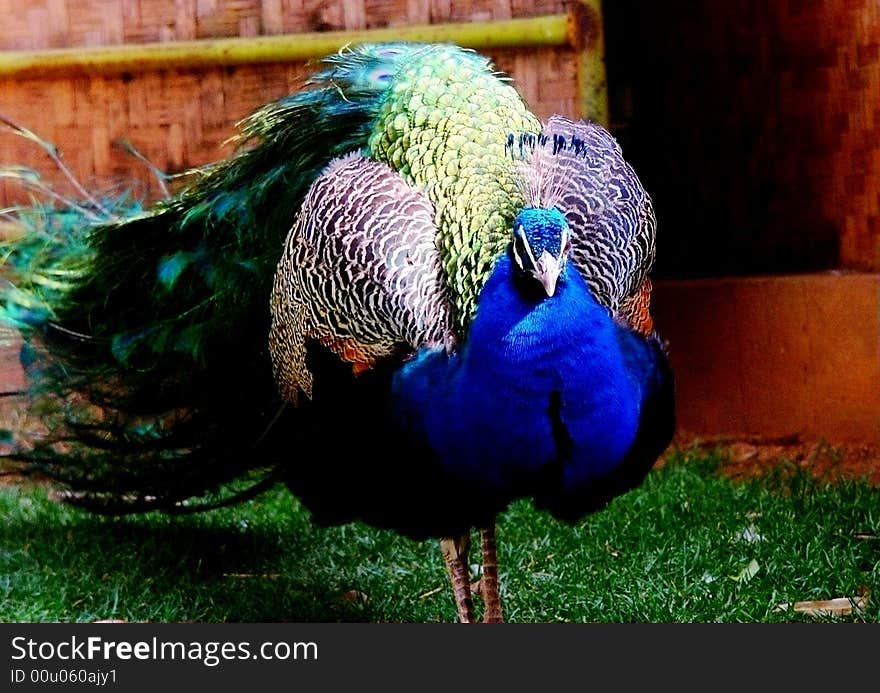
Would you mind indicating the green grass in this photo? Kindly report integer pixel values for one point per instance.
(690, 545)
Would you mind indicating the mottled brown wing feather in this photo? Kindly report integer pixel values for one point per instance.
(360, 273)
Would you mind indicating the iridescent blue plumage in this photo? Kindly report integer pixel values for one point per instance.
(548, 395)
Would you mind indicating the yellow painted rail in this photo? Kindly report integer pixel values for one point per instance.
(580, 28)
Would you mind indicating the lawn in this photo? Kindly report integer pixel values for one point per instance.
(690, 545)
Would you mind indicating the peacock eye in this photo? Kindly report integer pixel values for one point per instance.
(565, 246)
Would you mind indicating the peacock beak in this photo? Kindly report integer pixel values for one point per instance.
(547, 271)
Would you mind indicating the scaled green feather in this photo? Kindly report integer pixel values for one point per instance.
(444, 127)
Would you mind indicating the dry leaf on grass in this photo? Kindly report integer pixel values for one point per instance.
(839, 606)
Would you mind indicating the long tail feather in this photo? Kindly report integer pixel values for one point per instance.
(146, 330)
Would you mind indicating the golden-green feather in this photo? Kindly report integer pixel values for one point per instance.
(444, 128)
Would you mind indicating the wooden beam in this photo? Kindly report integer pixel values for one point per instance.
(546, 30)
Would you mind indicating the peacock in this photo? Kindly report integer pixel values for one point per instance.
(403, 296)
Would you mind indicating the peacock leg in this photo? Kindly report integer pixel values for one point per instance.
(455, 552)
(489, 581)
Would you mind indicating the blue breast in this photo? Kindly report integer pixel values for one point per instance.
(544, 391)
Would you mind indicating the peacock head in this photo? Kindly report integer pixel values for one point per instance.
(541, 244)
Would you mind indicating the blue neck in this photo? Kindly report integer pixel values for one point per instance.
(541, 384)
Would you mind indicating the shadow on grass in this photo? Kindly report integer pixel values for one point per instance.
(62, 564)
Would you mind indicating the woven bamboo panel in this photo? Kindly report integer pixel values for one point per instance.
(756, 125)
(182, 118)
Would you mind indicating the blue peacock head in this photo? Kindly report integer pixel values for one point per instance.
(541, 245)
